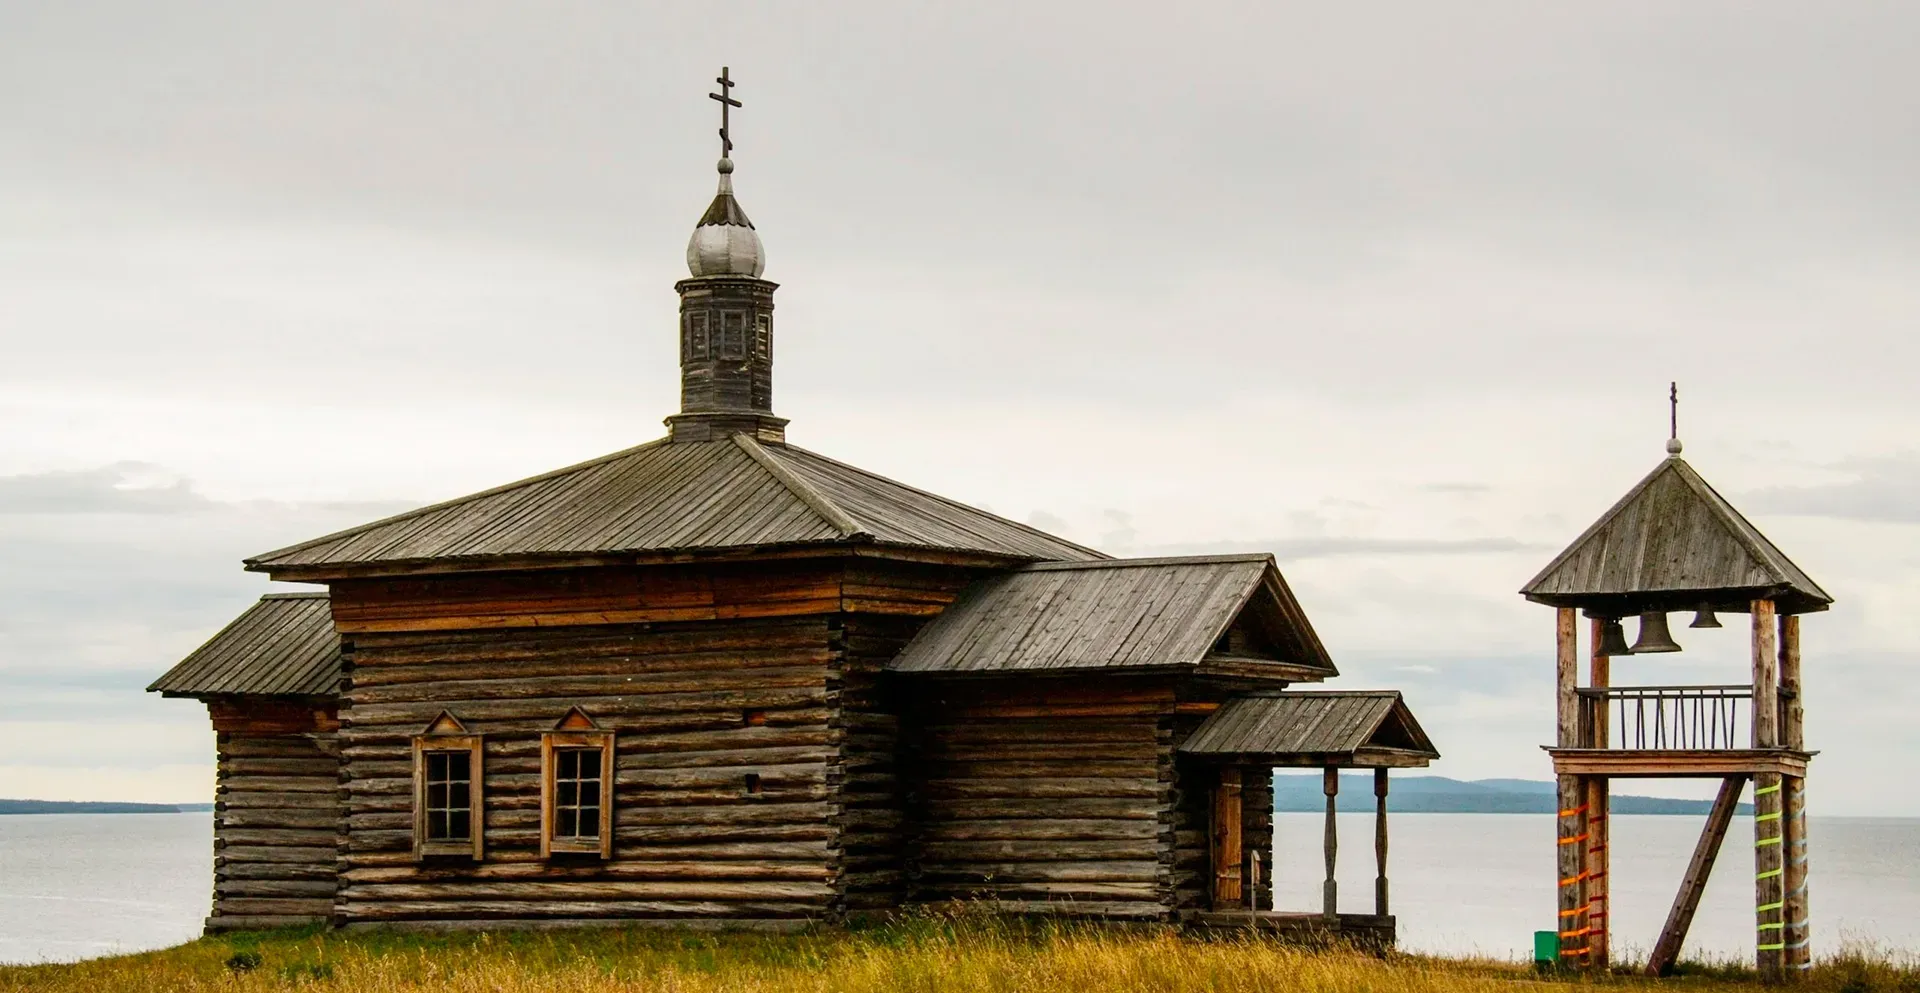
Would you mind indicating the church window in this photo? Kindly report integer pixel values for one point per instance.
(696, 349)
(448, 816)
(733, 334)
(576, 795)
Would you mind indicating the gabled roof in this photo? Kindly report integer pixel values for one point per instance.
(1316, 727)
(1673, 542)
(674, 497)
(284, 645)
(1118, 614)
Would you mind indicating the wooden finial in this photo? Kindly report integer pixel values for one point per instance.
(727, 102)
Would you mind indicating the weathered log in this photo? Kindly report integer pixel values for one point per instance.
(448, 910)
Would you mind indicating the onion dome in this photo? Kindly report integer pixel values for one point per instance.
(724, 243)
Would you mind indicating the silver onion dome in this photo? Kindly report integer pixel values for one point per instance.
(724, 243)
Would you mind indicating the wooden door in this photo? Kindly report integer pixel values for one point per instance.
(1229, 893)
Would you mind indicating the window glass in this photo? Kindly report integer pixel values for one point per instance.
(576, 793)
(449, 778)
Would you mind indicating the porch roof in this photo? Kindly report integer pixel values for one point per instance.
(1317, 728)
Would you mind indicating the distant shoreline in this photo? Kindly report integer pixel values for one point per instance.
(99, 807)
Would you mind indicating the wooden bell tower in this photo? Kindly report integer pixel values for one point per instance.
(1673, 544)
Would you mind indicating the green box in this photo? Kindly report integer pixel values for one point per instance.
(1546, 948)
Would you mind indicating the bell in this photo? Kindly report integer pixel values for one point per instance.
(1613, 638)
(1653, 634)
(1703, 618)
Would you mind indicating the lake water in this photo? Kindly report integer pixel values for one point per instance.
(81, 885)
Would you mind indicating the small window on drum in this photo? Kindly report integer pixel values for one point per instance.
(576, 794)
(448, 817)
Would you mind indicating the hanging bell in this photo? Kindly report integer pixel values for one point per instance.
(1703, 617)
(1653, 634)
(1613, 638)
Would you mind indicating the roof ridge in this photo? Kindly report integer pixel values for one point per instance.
(251, 561)
(298, 595)
(815, 500)
(949, 501)
(1122, 563)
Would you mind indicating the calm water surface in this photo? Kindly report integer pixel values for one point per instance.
(77, 885)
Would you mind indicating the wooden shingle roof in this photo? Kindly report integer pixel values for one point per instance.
(1673, 542)
(1119, 614)
(1315, 728)
(672, 497)
(284, 645)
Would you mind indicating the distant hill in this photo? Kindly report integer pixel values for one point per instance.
(95, 807)
(1295, 793)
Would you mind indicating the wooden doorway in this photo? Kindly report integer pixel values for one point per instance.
(1226, 842)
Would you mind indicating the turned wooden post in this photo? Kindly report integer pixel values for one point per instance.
(1330, 890)
(1571, 824)
(1380, 842)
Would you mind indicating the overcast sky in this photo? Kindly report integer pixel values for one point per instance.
(1392, 290)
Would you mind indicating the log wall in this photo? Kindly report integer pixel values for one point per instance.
(1062, 807)
(697, 708)
(277, 826)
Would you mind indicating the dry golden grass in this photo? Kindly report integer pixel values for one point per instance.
(927, 954)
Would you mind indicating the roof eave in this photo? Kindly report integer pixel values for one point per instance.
(862, 545)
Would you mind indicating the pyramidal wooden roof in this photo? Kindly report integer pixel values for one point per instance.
(671, 497)
(1121, 614)
(1673, 542)
(283, 645)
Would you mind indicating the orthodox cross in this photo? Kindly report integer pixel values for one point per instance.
(727, 102)
(1673, 411)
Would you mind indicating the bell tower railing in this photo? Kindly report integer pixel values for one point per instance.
(1667, 717)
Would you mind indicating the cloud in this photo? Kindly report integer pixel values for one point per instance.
(1884, 489)
(120, 488)
(1298, 549)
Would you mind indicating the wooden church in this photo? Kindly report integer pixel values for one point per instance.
(720, 680)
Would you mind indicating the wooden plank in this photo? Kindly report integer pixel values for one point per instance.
(1226, 836)
(1673, 934)
(1671, 764)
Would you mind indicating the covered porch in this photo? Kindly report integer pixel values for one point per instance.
(1240, 745)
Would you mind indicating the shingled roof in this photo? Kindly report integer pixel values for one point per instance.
(1673, 542)
(674, 497)
(1315, 727)
(284, 645)
(1120, 614)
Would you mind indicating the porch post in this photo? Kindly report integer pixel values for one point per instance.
(1330, 890)
(1380, 841)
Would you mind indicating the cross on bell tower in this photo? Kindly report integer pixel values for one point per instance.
(727, 102)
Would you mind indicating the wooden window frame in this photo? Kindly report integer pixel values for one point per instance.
(555, 741)
(446, 734)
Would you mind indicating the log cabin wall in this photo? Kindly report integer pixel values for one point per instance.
(754, 752)
(696, 709)
(1056, 803)
(278, 818)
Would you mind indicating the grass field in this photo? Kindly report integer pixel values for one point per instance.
(928, 954)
